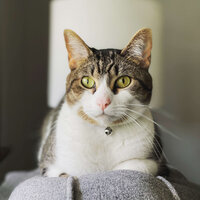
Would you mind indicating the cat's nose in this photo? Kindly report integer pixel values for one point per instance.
(104, 103)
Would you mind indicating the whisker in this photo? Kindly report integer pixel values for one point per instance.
(159, 125)
(146, 138)
(151, 143)
(142, 115)
(154, 147)
(157, 142)
(138, 105)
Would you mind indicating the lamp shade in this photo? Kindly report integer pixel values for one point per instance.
(101, 24)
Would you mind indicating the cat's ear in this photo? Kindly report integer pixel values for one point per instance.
(78, 51)
(139, 48)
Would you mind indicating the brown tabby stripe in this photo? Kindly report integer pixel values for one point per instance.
(120, 121)
(84, 116)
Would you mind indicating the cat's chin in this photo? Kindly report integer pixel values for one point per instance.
(105, 119)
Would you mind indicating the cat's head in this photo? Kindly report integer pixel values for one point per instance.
(106, 86)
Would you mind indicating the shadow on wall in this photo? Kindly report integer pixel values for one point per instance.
(23, 65)
(181, 69)
(181, 59)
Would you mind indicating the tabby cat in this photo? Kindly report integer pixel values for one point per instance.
(103, 122)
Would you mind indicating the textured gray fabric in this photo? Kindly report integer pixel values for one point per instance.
(41, 188)
(12, 179)
(171, 187)
(124, 184)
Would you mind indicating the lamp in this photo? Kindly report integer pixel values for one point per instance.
(101, 24)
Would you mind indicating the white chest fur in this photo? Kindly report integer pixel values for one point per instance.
(83, 148)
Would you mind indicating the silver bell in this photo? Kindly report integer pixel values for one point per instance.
(108, 131)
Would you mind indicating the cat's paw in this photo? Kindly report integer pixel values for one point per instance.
(52, 171)
(44, 171)
(64, 175)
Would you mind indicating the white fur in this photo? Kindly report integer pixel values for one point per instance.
(45, 136)
(83, 148)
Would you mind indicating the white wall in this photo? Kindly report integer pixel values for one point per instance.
(23, 80)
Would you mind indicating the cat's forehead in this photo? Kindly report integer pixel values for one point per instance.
(102, 53)
(106, 62)
(105, 59)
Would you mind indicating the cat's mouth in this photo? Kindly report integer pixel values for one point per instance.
(108, 119)
(102, 118)
(104, 115)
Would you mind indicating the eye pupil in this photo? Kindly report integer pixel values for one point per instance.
(123, 82)
(88, 82)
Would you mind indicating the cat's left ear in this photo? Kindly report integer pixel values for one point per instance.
(139, 48)
(78, 51)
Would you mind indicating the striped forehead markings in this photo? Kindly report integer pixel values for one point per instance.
(92, 70)
(110, 65)
(99, 62)
(105, 62)
(116, 70)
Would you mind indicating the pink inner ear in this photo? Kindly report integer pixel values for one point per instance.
(78, 51)
(147, 55)
(103, 102)
(139, 48)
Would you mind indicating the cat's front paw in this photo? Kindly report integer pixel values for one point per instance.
(64, 175)
(44, 171)
(52, 171)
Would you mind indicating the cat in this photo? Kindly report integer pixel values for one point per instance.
(103, 122)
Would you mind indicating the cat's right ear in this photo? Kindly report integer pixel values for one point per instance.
(139, 48)
(78, 51)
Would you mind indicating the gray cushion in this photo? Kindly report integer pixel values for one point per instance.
(123, 184)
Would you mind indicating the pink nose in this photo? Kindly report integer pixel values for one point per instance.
(104, 103)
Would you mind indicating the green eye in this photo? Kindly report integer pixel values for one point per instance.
(87, 82)
(123, 82)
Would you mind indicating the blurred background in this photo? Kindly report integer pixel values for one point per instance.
(33, 68)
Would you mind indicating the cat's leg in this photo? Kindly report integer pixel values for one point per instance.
(64, 175)
(143, 165)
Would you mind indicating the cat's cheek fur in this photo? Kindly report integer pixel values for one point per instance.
(90, 107)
